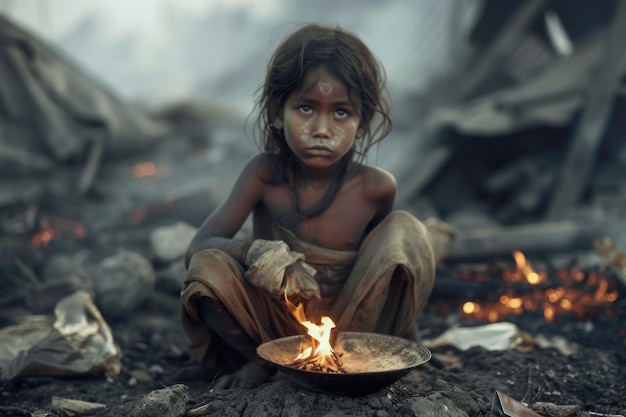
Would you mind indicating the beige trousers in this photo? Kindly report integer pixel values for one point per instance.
(381, 288)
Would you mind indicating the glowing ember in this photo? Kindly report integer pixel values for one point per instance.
(579, 293)
(44, 236)
(138, 215)
(320, 356)
(51, 229)
(144, 169)
(142, 213)
(147, 169)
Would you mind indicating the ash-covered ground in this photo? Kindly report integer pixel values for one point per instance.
(454, 383)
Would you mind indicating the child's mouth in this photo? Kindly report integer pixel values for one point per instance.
(319, 150)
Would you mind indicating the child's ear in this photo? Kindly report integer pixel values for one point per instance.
(278, 124)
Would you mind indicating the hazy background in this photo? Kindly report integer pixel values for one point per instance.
(156, 52)
(161, 50)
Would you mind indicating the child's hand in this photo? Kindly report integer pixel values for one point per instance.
(280, 272)
(301, 287)
(300, 284)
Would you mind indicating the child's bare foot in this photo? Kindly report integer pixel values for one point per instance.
(191, 373)
(252, 374)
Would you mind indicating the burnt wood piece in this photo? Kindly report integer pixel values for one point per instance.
(576, 169)
(530, 198)
(520, 171)
(528, 180)
(538, 238)
(452, 287)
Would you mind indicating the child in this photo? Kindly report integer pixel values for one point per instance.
(325, 232)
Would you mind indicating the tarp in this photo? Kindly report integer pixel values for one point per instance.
(51, 110)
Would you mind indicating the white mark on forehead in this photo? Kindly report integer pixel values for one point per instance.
(326, 88)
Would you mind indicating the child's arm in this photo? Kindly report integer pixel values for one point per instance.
(382, 187)
(221, 225)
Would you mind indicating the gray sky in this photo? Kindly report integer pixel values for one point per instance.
(168, 50)
(54, 18)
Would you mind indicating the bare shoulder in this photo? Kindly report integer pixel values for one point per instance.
(378, 183)
(259, 169)
(259, 163)
(379, 190)
(251, 185)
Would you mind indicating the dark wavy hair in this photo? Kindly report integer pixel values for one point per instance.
(346, 58)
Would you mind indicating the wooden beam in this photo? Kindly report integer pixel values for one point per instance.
(539, 238)
(587, 137)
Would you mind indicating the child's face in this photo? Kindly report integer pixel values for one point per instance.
(320, 122)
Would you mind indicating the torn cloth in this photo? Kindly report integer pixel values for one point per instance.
(268, 261)
(380, 288)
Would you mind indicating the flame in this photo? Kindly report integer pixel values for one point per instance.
(525, 268)
(321, 351)
(321, 334)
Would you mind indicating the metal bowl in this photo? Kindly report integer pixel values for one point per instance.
(372, 361)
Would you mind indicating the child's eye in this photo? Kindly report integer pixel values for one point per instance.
(305, 109)
(342, 114)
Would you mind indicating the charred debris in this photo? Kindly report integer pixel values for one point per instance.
(521, 149)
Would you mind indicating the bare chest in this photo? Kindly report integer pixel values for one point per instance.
(341, 226)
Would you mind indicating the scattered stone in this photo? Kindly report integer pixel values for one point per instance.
(121, 281)
(170, 278)
(167, 402)
(554, 410)
(170, 242)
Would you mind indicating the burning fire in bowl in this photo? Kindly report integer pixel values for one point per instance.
(368, 362)
(354, 363)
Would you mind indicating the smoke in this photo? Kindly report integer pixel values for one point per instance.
(162, 51)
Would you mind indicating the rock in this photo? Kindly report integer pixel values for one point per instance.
(61, 267)
(167, 402)
(170, 278)
(170, 242)
(554, 410)
(121, 281)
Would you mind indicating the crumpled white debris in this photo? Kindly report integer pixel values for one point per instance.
(75, 341)
(493, 336)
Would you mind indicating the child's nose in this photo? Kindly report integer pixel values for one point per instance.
(322, 126)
